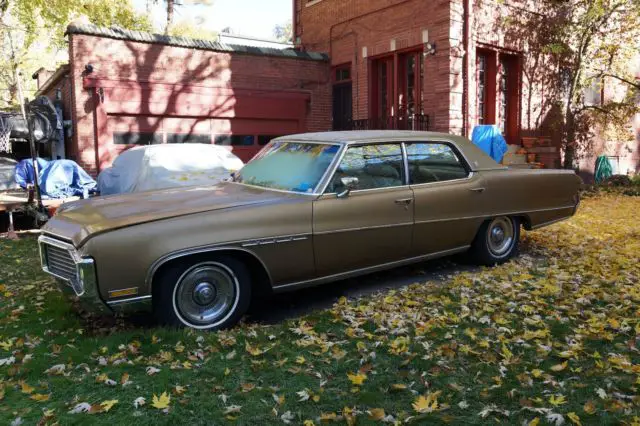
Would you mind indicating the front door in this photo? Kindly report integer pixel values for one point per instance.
(342, 106)
(373, 223)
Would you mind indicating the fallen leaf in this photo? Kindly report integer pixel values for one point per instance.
(161, 402)
(376, 414)
(108, 405)
(40, 397)
(357, 379)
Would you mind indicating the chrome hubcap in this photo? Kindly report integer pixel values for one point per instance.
(501, 236)
(205, 294)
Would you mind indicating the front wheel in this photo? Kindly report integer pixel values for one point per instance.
(497, 240)
(207, 294)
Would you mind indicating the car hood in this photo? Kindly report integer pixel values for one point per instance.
(80, 220)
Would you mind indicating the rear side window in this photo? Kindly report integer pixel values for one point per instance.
(434, 162)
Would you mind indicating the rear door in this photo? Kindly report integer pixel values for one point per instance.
(449, 198)
(373, 223)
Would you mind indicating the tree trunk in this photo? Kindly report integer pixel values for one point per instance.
(570, 139)
(170, 9)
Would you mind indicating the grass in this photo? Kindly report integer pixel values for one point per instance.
(551, 336)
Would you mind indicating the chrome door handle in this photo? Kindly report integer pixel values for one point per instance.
(404, 201)
(478, 190)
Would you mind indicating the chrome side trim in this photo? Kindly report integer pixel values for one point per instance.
(134, 304)
(121, 302)
(364, 228)
(273, 240)
(198, 250)
(420, 222)
(428, 184)
(364, 271)
(551, 222)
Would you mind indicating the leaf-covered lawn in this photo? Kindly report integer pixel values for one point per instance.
(550, 337)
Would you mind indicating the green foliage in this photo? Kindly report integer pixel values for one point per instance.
(590, 43)
(53, 16)
(32, 35)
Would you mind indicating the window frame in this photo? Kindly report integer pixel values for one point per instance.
(331, 171)
(346, 147)
(457, 152)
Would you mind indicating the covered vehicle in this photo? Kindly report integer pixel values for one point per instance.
(57, 179)
(308, 209)
(146, 168)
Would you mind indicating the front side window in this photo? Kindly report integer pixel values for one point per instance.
(375, 166)
(289, 166)
(433, 162)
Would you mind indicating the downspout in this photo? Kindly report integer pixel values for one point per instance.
(465, 68)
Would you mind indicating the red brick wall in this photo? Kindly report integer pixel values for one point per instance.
(378, 26)
(184, 76)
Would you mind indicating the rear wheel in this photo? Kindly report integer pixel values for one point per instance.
(208, 294)
(497, 240)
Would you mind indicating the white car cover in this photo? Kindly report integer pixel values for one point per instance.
(163, 166)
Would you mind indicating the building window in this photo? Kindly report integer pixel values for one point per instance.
(342, 111)
(188, 138)
(342, 74)
(136, 138)
(398, 92)
(234, 140)
(482, 88)
(505, 74)
(265, 139)
(509, 97)
(385, 69)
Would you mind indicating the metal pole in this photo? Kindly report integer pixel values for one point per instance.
(32, 146)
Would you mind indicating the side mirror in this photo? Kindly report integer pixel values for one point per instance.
(349, 184)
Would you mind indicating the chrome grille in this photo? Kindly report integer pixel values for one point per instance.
(60, 262)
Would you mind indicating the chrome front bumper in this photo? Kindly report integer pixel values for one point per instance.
(82, 281)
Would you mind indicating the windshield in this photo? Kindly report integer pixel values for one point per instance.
(289, 166)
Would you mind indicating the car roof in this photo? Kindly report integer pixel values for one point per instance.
(359, 136)
(478, 160)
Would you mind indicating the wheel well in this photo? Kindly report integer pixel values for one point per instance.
(260, 280)
(525, 221)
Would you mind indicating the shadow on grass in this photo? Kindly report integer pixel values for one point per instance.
(281, 307)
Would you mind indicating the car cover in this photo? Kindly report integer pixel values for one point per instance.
(42, 114)
(8, 174)
(167, 166)
(58, 179)
(489, 139)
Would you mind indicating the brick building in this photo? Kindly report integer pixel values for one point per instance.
(125, 88)
(455, 63)
(444, 65)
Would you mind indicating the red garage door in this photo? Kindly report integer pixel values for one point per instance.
(132, 114)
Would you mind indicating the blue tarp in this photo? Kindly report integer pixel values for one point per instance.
(58, 179)
(489, 139)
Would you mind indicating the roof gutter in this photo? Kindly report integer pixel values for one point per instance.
(61, 72)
